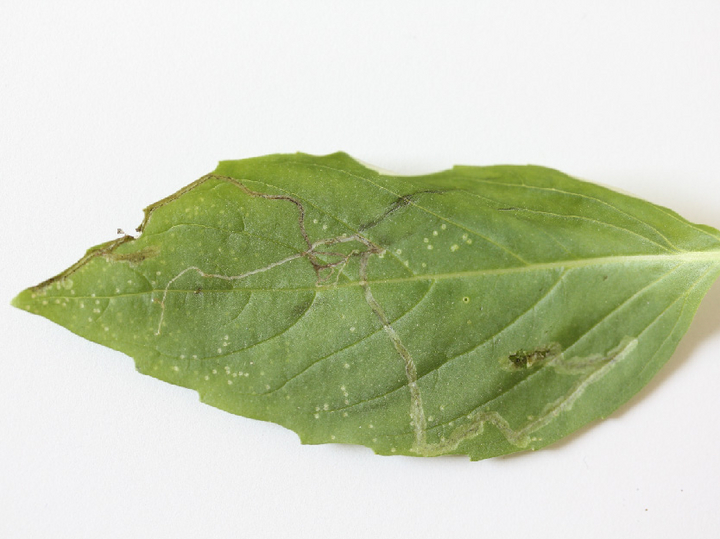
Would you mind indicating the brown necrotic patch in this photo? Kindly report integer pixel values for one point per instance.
(133, 257)
(524, 359)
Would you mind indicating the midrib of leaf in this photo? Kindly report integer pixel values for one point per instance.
(688, 257)
(685, 257)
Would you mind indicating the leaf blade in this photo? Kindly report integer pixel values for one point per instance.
(381, 310)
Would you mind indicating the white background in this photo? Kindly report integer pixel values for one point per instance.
(106, 107)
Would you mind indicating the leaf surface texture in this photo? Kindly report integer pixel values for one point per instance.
(477, 311)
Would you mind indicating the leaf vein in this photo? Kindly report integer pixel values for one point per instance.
(587, 197)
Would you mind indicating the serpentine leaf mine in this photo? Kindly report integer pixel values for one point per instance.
(476, 311)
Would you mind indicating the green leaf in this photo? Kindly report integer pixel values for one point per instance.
(477, 311)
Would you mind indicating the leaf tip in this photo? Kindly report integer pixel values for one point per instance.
(24, 300)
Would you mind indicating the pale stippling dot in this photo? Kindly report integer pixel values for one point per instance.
(214, 371)
(317, 408)
(426, 240)
(158, 273)
(315, 221)
(44, 302)
(347, 365)
(182, 356)
(246, 374)
(469, 242)
(392, 450)
(175, 368)
(105, 328)
(117, 290)
(345, 414)
(207, 377)
(230, 382)
(424, 265)
(431, 418)
(443, 226)
(219, 350)
(442, 408)
(82, 304)
(324, 227)
(92, 295)
(57, 301)
(225, 344)
(97, 302)
(267, 386)
(346, 401)
(194, 356)
(435, 232)
(454, 247)
(371, 426)
(464, 237)
(352, 329)
(430, 247)
(130, 281)
(326, 406)
(90, 319)
(96, 311)
(226, 337)
(332, 436)
(398, 251)
(240, 373)
(316, 416)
